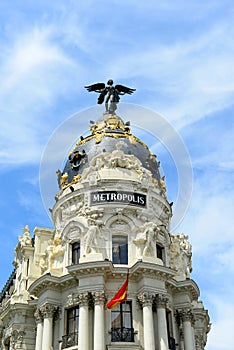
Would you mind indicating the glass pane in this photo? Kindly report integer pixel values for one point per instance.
(127, 320)
(159, 252)
(72, 320)
(126, 315)
(126, 307)
(119, 249)
(75, 253)
(115, 319)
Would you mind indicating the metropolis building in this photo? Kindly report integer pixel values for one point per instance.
(111, 217)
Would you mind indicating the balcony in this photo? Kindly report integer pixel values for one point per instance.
(172, 344)
(69, 340)
(122, 334)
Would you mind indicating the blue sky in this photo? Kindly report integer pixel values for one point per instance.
(179, 56)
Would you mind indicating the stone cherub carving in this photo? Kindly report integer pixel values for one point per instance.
(181, 254)
(109, 93)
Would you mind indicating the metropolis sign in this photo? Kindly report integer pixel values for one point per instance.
(118, 197)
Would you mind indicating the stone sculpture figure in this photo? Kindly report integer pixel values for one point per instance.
(146, 237)
(55, 252)
(91, 238)
(25, 240)
(109, 93)
(181, 255)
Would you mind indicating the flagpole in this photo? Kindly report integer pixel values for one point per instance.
(125, 302)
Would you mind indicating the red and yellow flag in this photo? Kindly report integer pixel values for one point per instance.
(120, 296)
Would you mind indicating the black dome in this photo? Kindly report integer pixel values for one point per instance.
(109, 131)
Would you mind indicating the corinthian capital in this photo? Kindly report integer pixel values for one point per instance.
(161, 300)
(48, 310)
(38, 316)
(99, 297)
(83, 299)
(145, 299)
(185, 314)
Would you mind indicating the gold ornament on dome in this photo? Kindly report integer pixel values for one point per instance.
(112, 122)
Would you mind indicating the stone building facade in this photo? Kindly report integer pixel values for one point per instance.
(111, 217)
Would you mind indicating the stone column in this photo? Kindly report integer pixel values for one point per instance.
(99, 321)
(187, 317)
(146, 300)
(83, 340)
(39, 321)
(47, 312)
(161, 301)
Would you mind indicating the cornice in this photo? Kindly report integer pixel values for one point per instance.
(186, 286)
(108, 269)
(11, 309)
(47, 281)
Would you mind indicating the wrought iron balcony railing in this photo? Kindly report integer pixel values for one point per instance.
(172, 343)
(69, 340)
(122, 334)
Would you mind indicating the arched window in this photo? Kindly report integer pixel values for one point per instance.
(119, 249)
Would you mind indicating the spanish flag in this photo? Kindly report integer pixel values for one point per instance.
(120, 296)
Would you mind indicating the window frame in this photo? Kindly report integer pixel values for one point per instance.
(124, 332)
(75, 253)
(122, 257)
(160, 247)
(75, 319)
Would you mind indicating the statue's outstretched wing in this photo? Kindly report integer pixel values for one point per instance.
(124, 89)
(98, 87)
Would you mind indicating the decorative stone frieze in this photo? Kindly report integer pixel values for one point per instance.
(199, 340)
(17, 338)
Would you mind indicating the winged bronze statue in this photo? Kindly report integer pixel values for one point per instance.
(109, 93)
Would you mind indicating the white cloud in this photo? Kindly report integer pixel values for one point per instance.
(221, 335)
(208, 220)
(30, 83)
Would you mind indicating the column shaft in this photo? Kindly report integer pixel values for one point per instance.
(146, 300)
(149, 342)
(188, 335)
(99, 340)
(47, 333)
(161, 302)
(39, 336)
(48, 311)
(83, 341)
(162, 329)
(187, 317)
